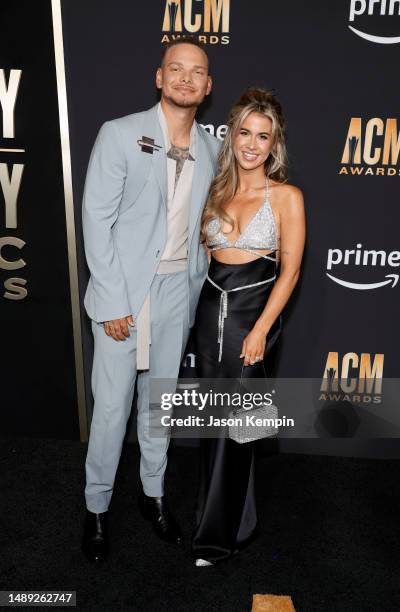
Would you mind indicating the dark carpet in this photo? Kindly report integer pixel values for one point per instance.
(329, 534)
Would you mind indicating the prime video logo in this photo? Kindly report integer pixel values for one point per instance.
(218, 131)
(383, 7)
(363, 258)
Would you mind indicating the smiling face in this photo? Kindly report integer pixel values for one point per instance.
(183, 77)
(253, 142)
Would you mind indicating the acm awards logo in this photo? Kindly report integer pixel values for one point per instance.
(375, 9)
(10, 183)
(209, 19)
(371, 147)
(360, 262)
(353, 378)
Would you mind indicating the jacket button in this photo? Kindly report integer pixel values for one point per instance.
(157, 254)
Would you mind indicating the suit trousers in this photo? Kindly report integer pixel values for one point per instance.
(113, 381)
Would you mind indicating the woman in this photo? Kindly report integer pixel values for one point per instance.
(253, 220)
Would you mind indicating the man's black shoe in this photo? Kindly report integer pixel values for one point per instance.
(155, 509)
(95, 536)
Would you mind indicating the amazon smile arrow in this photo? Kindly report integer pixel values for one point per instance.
(392, 280)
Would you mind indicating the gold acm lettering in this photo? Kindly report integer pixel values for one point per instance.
(371, 374)
(183, 16)
(372, 153)
(356, 373)
(216, 15)
(377, 143)
(391, 148)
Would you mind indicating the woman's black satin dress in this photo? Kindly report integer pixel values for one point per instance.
(226, 515)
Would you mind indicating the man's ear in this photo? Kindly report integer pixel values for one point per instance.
(159, 78)
(209, 85)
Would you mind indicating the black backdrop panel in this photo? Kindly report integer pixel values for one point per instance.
(340, 97)
(38, 389)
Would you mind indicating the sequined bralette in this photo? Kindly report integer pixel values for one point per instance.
(260, 233)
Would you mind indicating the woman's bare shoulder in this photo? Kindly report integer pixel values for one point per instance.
(287, 197)
(286, 190)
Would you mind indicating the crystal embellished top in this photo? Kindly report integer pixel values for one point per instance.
(260, 233)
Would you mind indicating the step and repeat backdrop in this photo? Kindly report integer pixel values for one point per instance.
(333, 67)
(41, 370)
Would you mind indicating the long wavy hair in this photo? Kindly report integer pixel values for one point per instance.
(225, 184)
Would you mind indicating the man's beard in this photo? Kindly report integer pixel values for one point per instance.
(183, 103)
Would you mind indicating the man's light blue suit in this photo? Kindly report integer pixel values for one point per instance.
(125, 231)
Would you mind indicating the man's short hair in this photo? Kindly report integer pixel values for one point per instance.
(191, 40)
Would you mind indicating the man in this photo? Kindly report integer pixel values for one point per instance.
(146, 186)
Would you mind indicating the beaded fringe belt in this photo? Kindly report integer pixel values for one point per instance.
(223, 306)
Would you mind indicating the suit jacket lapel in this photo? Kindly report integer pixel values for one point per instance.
(152, 129)
(202, 177)
(203, 168)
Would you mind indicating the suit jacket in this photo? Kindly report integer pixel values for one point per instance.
(125, 215)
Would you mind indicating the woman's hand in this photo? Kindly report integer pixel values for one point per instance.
(253, 347)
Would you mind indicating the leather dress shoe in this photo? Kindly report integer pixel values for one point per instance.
(95, 536)
(155, 509)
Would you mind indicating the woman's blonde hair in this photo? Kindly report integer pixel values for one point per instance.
(225, 184)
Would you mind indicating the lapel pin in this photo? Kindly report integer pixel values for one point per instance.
(148, 145)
